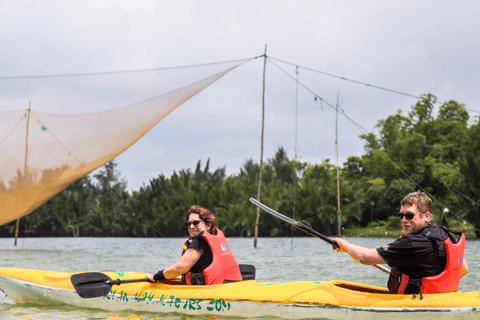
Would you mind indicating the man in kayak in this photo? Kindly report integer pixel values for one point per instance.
(426, 258)
(206, 257)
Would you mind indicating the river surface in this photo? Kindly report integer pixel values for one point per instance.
(275, 259)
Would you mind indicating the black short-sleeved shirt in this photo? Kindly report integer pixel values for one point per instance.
(201, 245)
(421, 254)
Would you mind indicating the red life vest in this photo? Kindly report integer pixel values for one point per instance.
(224, 266)
(449, 279)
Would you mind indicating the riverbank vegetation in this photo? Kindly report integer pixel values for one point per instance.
(434, 152)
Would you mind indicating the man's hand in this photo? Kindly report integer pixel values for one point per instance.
(342, 243)
(360, 254)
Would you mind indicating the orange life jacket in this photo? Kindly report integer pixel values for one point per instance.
(224, 266)
(449, 279)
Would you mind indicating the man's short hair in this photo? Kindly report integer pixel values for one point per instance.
(423, 202)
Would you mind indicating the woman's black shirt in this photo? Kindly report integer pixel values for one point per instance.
(201, 245)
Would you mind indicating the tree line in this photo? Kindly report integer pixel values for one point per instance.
(436, 153)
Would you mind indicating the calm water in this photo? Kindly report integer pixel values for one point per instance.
(275, 259)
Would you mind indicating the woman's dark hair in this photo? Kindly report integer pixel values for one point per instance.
(206, 216)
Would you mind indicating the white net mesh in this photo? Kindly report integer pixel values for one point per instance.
(42, 153)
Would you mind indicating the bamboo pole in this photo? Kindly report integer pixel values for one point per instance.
(261, 152)
(339, 216)
(17, 227)
(296, 159)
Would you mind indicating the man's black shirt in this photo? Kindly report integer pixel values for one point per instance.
(421, 254)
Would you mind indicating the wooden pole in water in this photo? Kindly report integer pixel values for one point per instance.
(17, 227)
(296, 159)
(339, 217)
(261, 152)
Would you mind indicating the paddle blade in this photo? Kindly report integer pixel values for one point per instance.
(91, 284)
(275, 213)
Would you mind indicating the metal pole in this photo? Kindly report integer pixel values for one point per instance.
(17, 227)
(261, 152)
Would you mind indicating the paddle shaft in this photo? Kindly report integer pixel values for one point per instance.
(305, 229)
(333, 243)
(119, 282)
(314, 233)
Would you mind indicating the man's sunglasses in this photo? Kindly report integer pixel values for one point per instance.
(408, 215)
(194, 222)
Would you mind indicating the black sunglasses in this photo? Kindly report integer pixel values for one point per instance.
(194, 222)
(408, 215)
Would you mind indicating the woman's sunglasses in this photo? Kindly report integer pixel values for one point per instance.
(194, 222)
(408, 215)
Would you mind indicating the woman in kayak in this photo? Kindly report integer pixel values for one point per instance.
(206, 258)
(426, 258)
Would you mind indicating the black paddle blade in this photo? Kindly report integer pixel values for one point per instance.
(91, 284)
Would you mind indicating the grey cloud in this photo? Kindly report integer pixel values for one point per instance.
(413, 47)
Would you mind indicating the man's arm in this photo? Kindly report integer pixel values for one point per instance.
(464, 267)
(360, 254)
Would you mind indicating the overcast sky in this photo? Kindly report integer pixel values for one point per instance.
(408, 46)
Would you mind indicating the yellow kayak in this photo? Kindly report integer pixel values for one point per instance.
(334, 299)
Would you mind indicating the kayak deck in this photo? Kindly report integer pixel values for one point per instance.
(291, 299)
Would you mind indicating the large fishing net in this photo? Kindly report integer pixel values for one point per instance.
(42, 153)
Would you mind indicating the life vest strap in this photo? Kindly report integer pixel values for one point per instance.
(197, 278)
(417, 283)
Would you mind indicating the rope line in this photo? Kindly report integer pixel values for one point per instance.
(433, 198)
(124, 71)
(360, 82)
(342, 112)
(452, 189)
(51, 133)
(351, 80)
(472, 110)
(365, 131)
(13, 128)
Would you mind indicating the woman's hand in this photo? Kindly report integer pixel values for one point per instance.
(150, 277)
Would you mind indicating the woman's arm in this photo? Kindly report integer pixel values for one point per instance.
(464, 267)
(186, 262)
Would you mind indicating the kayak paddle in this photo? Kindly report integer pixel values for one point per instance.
(304, 228)
(96, 284)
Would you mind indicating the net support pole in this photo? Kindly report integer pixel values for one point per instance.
(17, 227)
(261, 152)
(296, 158)
(339, 216)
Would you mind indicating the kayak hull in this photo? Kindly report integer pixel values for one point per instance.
(293, 300)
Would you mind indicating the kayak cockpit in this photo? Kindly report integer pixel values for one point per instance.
(360, 287)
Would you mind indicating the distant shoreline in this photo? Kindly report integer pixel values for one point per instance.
(353, 233)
